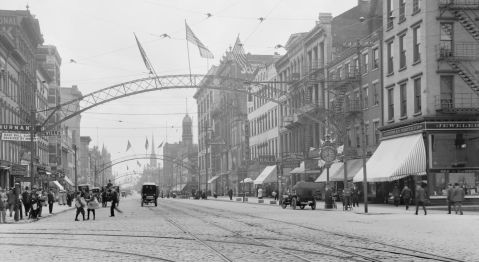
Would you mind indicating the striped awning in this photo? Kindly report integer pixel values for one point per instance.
(395, 159)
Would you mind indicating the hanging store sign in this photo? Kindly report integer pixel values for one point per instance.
(215, 142)
(17, 137)
(267, 160)
(19, 170)
(403, 130)
(453, 126)
(8, 25)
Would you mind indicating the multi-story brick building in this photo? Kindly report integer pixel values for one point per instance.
(430, 98)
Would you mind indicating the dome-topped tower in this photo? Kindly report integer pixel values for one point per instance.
(187, 130)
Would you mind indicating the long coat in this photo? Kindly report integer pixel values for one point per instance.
(421, 195)
(449, 194)
(457, 195)
(406, 193)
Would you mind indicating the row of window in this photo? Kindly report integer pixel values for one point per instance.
(269, 147)
(403, 97)
(416, 7)
(349, 69)
(416, 53)
(264, 122)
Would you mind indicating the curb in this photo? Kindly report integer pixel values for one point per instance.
(27, 221)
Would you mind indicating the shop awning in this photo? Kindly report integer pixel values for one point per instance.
(300, 170)
(396, 158)
(68, 180)
(213, 179)
(247, 180)
(354, 165)
(267, 176)
(58, 185)
(179, 187)
(332, 170)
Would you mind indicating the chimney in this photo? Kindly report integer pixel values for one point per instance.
(325, 18)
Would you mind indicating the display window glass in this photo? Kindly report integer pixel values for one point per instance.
(454, 150)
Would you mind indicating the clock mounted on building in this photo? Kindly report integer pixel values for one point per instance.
(328, 154)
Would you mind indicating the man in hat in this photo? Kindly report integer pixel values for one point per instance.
(450, 189)
(396, 195)
(26, 200)
(406, 194)
(114, 201)
(51, 199)
(355, 193)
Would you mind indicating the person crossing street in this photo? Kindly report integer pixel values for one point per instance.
(406, 194)
(114, 202)
(26, 195)
(51, 199)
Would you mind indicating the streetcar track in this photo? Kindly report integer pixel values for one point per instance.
(433, 256)
(218, 253)
(273, 246)
(88, 249)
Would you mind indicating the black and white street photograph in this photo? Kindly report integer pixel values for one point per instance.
(266, 130)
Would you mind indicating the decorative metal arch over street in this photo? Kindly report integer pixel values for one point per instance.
(77, 106)
(117, 161)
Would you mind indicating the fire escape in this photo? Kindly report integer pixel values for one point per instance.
(459, 55)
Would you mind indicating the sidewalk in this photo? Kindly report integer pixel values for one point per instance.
(45, 213)
(373, 209)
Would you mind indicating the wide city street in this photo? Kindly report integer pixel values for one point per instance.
(199, 230)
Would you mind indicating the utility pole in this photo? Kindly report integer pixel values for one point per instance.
(33, 121)
(76, 174)
(361, 120)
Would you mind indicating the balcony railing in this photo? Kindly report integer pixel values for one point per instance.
(458, 103)
(312, 67)
(457, 51)
(353, 106)
(338, 77)
(459, 4)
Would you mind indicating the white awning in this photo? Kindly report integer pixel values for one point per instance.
(332, 170)
(58, 185)
(300, 170)
(396, 158)
(247, 180)
(68, 180)
(266, 176)
(213, 179)
(354, 165)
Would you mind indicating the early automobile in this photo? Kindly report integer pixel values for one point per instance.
(96, 193)
(149, 193)
(302, 195)
(84, 187)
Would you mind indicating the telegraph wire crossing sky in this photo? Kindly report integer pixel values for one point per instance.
(98, 50)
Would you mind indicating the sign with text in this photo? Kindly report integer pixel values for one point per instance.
(453, 126)
(19, 170)
(267, 160)
(17, 137)
(53, 133)
(8, 25)
(403, 130)
(215, 142)
(46, 176)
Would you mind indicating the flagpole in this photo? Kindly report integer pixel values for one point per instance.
(188, 48)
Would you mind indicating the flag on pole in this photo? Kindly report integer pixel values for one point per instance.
(143, 54)
(190, 36)
(128, 146)
(146, 144)
(138, 163)
(238, 54)
(161, 144)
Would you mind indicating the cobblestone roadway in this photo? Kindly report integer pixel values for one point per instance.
(144, 234)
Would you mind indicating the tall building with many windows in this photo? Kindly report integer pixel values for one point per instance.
(430, 98)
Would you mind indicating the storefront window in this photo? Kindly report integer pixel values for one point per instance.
(371, 188)
(454, 150)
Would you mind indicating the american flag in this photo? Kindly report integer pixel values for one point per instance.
(190, 36)
(238, 54)
(128, 146)
(143, 54)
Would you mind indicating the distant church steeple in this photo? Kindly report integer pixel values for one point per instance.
(187, 136)
(153, 160)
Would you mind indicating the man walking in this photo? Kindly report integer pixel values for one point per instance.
(114, 201)
(51, 199)
(421, 198)
(406, 194)
(26, 201)
(34, 202)
(458, 197)
(450, 189)
(396, 195)
(10, 200)
(230, 194)
(3, 207)
(355, 192)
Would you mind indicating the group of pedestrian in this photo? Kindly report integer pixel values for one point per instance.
(86, 199)
(455, 197)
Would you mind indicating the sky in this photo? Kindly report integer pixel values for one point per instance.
(98, 35)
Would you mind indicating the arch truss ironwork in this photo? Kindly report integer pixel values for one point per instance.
(317, 112)
(190, 167)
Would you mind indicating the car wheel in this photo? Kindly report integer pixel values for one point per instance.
(283, 205)
(156, 203)
(293, 203)
(313, 206)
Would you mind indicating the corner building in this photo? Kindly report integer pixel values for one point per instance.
(430, 133)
